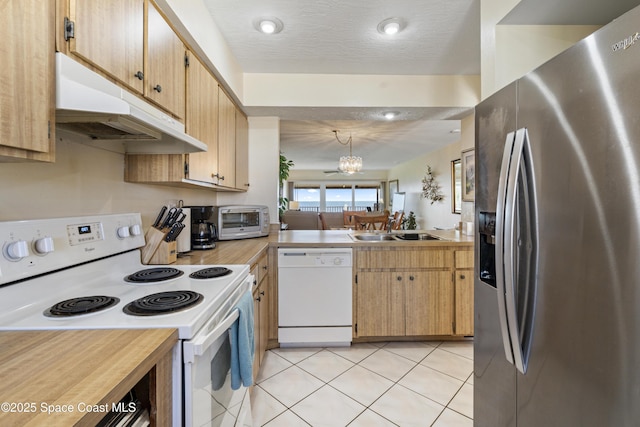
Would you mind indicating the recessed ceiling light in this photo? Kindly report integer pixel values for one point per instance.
(391, 26)
(268, 25)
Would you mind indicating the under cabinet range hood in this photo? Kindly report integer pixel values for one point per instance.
(90, 105)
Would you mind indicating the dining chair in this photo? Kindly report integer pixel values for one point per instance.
(397, 220)
(371, 222)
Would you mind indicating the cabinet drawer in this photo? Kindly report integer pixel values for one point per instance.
(394, 258)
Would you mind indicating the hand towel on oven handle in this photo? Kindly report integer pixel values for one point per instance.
(242, 344)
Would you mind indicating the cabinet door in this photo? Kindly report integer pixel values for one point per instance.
(165, 76)
(110, 35)
(464, 302)
(226, 140)
(256, 334)
(202, 120)
(242, 151)
(264, 319)
(380, 309)
(429, 303)
(27, 103)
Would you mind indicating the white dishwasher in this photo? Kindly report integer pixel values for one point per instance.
(315, 297)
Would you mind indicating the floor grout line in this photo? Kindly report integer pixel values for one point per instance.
(281, 354)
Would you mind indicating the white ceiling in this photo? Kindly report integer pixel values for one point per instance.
(340, 37)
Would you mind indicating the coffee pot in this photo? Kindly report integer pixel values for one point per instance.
(203, 231)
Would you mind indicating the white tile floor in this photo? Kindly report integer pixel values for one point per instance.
(379, 384)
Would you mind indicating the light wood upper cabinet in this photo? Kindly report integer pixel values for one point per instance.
(27, 98)
(242, 151)
(226, 140)
(110, 35)
(130, 42)
(165, 76)
(202, 120)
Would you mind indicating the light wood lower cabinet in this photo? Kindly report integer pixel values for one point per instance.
(402, 292)
(404, 303)
(463, 281)
(260, 310)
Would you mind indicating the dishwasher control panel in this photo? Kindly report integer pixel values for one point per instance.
(314, 257)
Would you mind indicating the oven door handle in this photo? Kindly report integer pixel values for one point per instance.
(199, 345)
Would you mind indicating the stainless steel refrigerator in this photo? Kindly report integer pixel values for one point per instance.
(557, 281)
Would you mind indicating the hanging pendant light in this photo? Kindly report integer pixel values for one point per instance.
(349, 164)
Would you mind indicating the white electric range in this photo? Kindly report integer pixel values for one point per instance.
(86, 273)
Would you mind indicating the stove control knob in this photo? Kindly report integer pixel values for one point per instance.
(44, 245)
(15, 251)
(135, 230)
(123, 232)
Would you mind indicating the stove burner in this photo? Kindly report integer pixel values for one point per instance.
(210, 273)
(162, 303)
(151, 275)
(81, 305)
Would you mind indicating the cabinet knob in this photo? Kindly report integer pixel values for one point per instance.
(157, 88)
(221, 178)
(139, 75)
(259, 299)
(255, 282)
(462, 276)
(399, 278)
(411, 277)
(264, 267)
(261, 292)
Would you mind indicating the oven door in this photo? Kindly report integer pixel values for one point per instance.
(208, 397)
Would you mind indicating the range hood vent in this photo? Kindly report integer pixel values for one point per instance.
(109, 116)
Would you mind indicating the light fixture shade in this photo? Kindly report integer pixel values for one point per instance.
(391, 26)
(268, 25)
(350, 164)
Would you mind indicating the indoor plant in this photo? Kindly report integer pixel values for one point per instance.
(285, 165)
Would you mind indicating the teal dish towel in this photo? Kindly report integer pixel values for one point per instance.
(242, 346)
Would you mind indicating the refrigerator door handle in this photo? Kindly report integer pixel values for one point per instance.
(499, 245)
(520, 249)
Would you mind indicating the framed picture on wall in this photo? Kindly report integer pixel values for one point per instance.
(456, 186)
(468, 175)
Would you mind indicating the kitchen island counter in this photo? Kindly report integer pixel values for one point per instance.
(247, 251)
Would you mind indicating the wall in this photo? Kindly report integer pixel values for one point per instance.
(508, 52)
(522, 48)
(84, 181)
(87, 181)
(264, 157)
(410, 175)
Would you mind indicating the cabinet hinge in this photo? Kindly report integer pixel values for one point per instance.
(69, 29)
(186, 170)
(356, 328)
(186, 60)
(49, 129)
(356, 279)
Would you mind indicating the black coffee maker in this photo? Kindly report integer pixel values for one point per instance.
(203, 230)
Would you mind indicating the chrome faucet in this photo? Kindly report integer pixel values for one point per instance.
(390, 224)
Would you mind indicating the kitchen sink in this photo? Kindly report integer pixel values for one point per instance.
(385, 237)
(373, 237)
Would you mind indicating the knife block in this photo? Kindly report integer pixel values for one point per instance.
(154, 239)
(166, 253)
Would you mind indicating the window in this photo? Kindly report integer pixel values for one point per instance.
(308, 197)
(335, 197)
